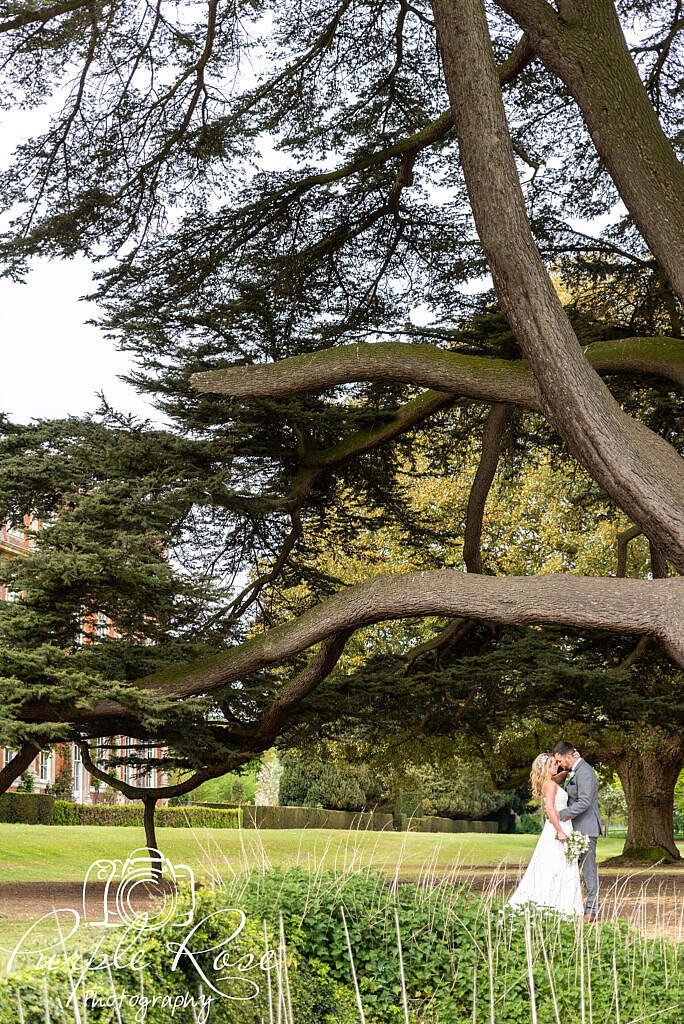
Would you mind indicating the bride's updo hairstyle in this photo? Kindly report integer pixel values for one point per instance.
(540, 772)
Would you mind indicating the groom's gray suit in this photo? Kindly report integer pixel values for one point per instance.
(583, 811)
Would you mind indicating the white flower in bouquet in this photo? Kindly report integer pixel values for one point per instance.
(576, 846)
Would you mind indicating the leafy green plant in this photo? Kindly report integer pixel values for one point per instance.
(27, 784)
(529, 824)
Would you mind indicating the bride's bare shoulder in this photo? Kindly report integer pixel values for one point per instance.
(549, 786)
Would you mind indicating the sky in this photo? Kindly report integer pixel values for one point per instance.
(52, 362)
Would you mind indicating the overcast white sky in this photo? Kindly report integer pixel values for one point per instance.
(53, 364)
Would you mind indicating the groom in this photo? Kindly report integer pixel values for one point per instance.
(581, 785)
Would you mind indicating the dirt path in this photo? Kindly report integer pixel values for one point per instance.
(26, 901)
(652, 903)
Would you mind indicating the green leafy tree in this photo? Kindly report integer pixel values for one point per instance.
(249, 295)
(612, 804)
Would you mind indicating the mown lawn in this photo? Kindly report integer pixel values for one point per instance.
(31, 853)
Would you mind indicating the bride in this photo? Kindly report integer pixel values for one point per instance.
(550, 881)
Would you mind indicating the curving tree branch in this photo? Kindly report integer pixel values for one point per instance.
(639, 470)
(484, 476)
(490, 380)
(18, 764)
(303, 684)
(644, 607)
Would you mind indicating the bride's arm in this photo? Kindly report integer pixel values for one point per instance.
(549, 793)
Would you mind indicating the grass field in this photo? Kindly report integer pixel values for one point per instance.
(46, 854)
(30, 853)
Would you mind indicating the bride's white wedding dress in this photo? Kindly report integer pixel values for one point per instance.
(550, 881)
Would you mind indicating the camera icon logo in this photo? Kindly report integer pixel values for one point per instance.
(131, 884)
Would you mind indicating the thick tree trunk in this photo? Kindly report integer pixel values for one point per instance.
(640, 471)
(18, 765)
(649, 779)
(584, 45)
(150, 803)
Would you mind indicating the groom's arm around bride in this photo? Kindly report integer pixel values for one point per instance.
(581, 786)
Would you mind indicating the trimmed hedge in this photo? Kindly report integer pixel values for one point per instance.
(375, 821)
(27, 808)
(67, 813)
(432, 823)
(314, 817)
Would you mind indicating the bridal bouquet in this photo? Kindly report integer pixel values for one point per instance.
(577, 844)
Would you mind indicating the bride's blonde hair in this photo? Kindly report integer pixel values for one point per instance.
(540, 772)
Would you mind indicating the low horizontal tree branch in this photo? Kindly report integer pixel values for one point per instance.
(141, 792)
(644, 607)
(490, 380)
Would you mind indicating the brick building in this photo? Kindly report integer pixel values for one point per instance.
(48, 765)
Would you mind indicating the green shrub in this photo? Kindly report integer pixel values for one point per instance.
(27, 808)
(445, 937)
(452, 943)
(315, 996)
(312, 782)
(529, 824)
(67, 813)
(27, 784)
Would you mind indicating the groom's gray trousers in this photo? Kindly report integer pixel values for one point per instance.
(583, 810)
(590, 873)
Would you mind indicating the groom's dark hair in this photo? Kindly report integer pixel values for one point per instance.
(564, 747)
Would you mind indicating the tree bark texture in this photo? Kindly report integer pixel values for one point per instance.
(149, 804)
(649, 779)
(484, 477)
(491, 380)
(644, 607)
(583, 44)
(18, 765)
(640, 471)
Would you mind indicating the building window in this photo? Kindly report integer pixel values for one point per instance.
(146, 774)
(101, 626)
(129, 769)
(44, 762)
(7, 753)
(78, 773)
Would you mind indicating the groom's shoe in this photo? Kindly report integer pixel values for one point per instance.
(590, 918)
